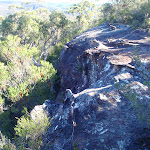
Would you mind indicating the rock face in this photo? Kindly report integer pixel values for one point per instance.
(93, 55)
(107, 98)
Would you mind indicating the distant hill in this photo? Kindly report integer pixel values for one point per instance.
(4, 11)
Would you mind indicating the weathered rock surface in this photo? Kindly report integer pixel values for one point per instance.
(107, 99)
(88, 57)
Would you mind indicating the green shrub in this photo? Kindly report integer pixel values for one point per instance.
(30, 131)
(5, 143)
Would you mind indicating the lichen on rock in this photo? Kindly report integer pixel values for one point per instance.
(106, 104)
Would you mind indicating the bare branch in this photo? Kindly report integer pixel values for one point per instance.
(45, 49)
(42, 52)
(35, 62)
(46, 53)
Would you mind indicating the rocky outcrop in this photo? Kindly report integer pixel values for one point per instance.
(107, 98)
(99, 118)
(98, 53)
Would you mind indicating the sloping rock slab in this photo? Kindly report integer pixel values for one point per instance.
(97, 118)
(110, 110)
(90, 56)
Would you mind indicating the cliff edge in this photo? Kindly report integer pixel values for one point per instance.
(105, 73)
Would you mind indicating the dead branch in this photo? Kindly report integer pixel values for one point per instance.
(36, 63)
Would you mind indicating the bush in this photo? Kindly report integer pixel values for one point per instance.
(30, 131)
(5, 143)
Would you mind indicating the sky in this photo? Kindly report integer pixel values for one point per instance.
(4, 11)
(63, 1)
(72, 1)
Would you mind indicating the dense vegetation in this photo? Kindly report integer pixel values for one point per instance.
(30, 43)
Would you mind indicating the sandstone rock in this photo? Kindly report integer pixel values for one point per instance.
(103, 118)
(107, 98)
(39, 112)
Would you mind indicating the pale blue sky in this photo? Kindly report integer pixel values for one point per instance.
(63, 1)
(71, 1)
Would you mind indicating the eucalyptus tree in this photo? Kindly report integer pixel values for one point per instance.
(51, 32)
(38, 28)
(134, 12)
(85, 13)
(22, 83)
(20, 73)
(109, 12)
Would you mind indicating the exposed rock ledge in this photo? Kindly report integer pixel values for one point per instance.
(93, 56)
(109, 106)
